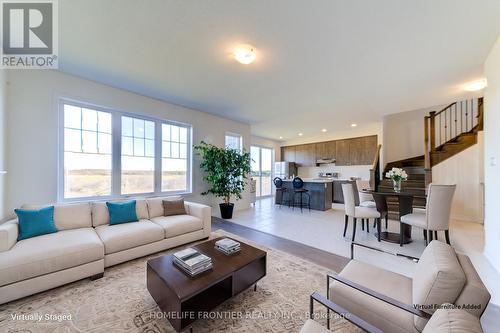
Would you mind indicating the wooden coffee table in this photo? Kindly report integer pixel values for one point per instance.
(184, 299)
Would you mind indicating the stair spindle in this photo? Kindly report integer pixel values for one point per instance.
(451, 126)
(461, 120)
(445, 126)
(440, 129)
(466, 117)
(456, 129)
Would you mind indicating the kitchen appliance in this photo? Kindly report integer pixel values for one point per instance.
(325, 161)
(285, 170)
(328, 175)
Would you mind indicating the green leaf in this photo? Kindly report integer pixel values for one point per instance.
(224, 170)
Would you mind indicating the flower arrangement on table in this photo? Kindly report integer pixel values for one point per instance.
(397, 175)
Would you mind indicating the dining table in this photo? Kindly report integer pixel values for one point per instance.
(405, 200)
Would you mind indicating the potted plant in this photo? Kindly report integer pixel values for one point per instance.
(397, 175)
(225, 171)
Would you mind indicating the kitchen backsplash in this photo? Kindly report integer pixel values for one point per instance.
(345, 172)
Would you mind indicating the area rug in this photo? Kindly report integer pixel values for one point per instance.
(120, 302)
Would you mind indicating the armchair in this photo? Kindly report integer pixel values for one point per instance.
(396, 303)
(313, 327)
(446, 319)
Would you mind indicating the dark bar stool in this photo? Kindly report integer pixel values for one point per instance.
(278, 183)
(298, 189)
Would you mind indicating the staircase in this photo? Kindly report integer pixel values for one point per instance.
(450, 131)
(447, 133)
(415, 184)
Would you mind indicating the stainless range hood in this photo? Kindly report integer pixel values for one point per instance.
(325, 161)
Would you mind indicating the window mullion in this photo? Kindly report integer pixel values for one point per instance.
(189, 159)
(116, 169)
(158, 156)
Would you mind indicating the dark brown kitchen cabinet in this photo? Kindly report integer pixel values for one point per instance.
(362, 150)
(321, 150)
(288, 154)
(310, 154)
(370, 146)
(305, 155)
(326, 150)
(354, 151)
(299, 155)
(343, 156)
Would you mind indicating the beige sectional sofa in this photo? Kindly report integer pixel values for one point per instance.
(85, 244)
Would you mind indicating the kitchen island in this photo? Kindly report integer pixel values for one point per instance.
(320, 190)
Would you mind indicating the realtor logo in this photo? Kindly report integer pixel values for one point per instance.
(29, 34)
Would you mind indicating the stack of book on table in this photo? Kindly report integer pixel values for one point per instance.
(192, 262)
(227, 246)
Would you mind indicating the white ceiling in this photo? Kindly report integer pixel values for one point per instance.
(320, 64)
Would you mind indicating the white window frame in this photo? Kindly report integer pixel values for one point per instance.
(273, 160)
(116, 149)
(234, 135)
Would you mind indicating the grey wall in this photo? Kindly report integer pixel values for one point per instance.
(404, 134)
(492, 157)
(268, 143)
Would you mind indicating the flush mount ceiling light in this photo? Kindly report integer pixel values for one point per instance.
(300, 134)
(354, 125)
(476, 85)
(281, 137)
(324, 130)
(245, 54)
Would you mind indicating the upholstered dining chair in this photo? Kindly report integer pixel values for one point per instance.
(436, 216)
(365, 199)
(355, 212)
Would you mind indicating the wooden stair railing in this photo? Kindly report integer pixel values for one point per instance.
(446, 127)
(375, 170)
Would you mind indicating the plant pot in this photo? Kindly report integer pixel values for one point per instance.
(226, 210)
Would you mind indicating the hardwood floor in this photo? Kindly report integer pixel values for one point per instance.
(320, 257)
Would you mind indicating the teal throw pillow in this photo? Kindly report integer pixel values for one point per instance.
(35, 222)
(122, 212)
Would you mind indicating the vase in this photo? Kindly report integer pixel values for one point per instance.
(397, 185)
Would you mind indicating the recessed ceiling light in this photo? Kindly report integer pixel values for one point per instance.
(324, 130)
(354, 125)
(281, 137)
(300, 134)
(245, 54)
(476, 85)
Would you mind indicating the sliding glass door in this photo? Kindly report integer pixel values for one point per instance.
(262, 167)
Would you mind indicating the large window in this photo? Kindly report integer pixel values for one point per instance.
(138, 156)
(109, 153)
(175, 153)
(87, 152)
(233, 141)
